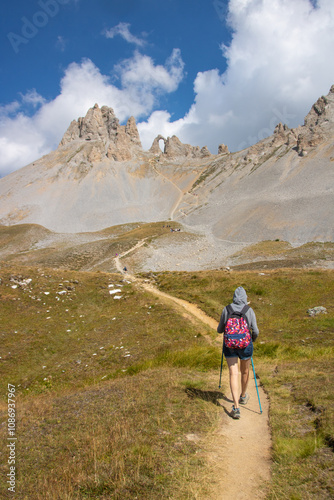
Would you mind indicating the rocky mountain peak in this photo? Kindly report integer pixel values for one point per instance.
(265, 191)
(174, 148)
(322, 111)
(318, 124)
(222, 149)
(122, 142)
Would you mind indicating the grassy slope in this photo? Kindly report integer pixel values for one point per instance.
(17, 244)
(294, 358)
(66, 360)
(278, 254)
(86, 428)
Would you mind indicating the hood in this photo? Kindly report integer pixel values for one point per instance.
(240, 296)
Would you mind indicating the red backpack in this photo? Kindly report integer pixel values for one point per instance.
(237, 332)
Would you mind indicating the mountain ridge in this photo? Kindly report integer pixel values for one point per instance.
(99, 176)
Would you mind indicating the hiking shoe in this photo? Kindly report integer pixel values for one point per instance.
(244, 399)
(235, 413)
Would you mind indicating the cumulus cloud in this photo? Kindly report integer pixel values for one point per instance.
(9, 109)
(123, 30)
(26, 135)
(33, 98)
(278, 64)
(144, 81)
(158, 124)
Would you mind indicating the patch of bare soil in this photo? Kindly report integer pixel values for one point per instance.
(240, 450)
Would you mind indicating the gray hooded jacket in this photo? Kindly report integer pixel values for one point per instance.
(239, 301)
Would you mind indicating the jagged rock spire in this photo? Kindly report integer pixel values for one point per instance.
(101, 124)
(318, 124)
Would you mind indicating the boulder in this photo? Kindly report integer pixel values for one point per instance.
(314, 311)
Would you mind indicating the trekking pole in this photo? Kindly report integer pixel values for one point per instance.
(257, 390)
(221, 368)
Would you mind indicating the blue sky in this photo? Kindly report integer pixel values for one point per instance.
(209, 71)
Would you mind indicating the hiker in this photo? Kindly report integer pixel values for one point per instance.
(238, 352)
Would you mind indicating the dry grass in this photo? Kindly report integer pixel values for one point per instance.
(18, 245)
(102, 406)
(294, 358)
(102, 410)
(280, 254)
(120, 439)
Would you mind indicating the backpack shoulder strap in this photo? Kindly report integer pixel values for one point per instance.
(243, 312)
(229, 310)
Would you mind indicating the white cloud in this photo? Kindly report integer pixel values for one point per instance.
(24, 138)
(10, 108)
(278, 63)
(140, 72)
(144, 81)
(123, 30)
(32, 97)
(158, 124)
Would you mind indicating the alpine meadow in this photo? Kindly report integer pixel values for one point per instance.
(166, 209)
(113, 279)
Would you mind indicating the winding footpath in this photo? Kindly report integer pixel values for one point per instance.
(183, 192)
(238, 450)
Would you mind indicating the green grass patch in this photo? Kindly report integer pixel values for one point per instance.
(291, 449)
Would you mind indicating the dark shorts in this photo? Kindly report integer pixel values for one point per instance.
(245, 353)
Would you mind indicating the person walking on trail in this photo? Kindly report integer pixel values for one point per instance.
(239, 305)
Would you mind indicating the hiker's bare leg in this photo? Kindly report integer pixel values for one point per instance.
(234, 379)
(244, 368)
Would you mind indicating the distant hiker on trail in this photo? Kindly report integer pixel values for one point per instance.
(238, 323)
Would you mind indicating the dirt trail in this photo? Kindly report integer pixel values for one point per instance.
(118, 263)
(182, 191)
(239, 450)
